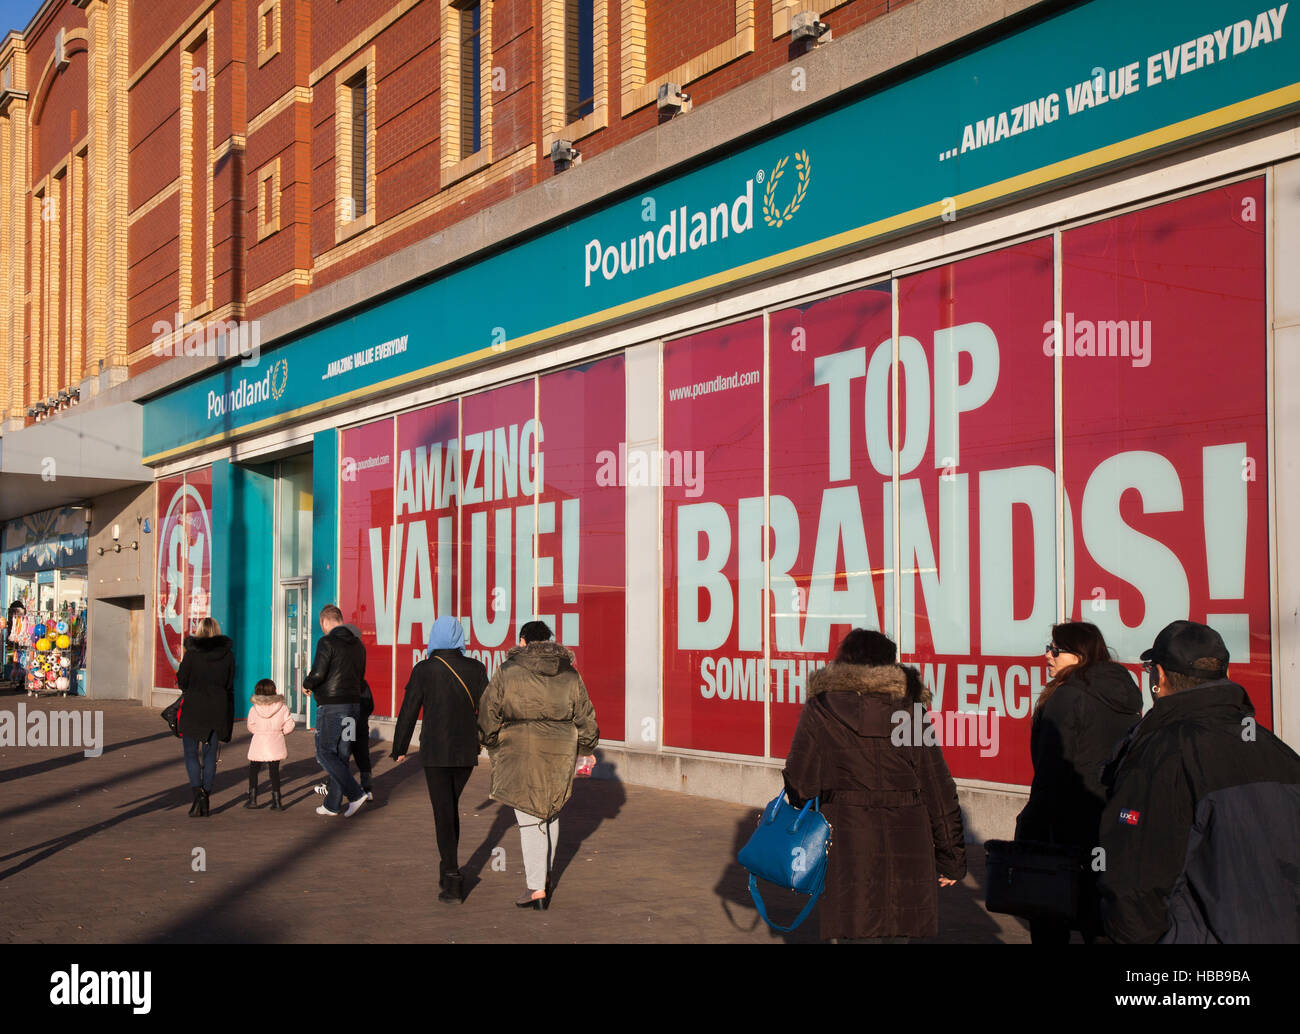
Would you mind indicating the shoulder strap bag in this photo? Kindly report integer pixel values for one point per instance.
(462, 685)
(789, 848)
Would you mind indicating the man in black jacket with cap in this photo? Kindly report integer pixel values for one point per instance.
(1202, 830)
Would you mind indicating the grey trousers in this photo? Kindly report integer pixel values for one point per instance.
(538, 840)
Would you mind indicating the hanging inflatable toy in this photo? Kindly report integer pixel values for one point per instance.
(61, 627)
(40, 631)
(63, 642)
(42, 644)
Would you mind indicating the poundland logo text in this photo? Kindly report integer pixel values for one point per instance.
(684, 231)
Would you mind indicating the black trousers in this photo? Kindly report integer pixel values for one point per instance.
(254, 767)
(361, 752)
(445, 787)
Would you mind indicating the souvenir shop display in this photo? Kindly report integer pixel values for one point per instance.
(46, 652)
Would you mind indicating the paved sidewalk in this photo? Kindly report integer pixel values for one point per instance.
(101, 850)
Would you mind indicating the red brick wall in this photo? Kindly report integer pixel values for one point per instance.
(678, 30)
(408, 145)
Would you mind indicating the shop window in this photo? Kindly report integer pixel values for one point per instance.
(1164, 362)
(293, 531)
(712, 474)
(830, 506)
(978, 521)
(183, 592)
(367, 557)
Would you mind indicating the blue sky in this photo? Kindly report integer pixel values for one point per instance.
(15, 14)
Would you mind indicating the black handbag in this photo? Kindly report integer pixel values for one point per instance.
(172, 715)
(1034, 880)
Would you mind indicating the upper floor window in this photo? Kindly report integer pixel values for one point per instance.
(356, 94)
(471, 80)
(579, 58)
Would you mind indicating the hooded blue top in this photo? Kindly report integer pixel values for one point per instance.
(447, 633)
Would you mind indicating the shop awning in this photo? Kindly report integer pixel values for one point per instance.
(71, 458)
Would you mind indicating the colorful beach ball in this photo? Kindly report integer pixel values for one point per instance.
(42, 644)
(40, 631)
(50, 676)
(61, 627)
(63, 642)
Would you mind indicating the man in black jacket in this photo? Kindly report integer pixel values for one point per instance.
(448, 686)
(335, 682)
(1202, 831)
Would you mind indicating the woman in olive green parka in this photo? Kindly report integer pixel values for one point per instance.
(536, 720)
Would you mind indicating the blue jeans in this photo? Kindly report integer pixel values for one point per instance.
(201, 773)
(334, 753)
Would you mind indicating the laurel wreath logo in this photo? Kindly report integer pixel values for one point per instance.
(803, 166)
(279, 378)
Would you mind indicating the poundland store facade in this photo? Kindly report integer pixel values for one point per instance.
(1003, 339)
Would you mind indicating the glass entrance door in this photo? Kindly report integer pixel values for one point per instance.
(295, 606)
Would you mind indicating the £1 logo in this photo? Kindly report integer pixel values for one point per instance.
(185, 550)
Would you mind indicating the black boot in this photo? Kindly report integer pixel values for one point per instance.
(252, 797)
(194, 808)
(453, 887)
(203, 802)
(275, 801)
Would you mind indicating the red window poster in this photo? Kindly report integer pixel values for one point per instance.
(499, 438)
(368, 558)
(424, 538)
(831, 549)
(581, 521)
(184, 588)
(1164, 347)
(711, 469)
(977, 525)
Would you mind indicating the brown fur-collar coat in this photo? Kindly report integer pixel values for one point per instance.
(896, 824)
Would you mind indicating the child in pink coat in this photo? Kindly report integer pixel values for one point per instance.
(269, 722)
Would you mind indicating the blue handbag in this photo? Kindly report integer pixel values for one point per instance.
(789, 848)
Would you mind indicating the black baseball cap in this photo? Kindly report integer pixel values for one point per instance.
(1181, 644)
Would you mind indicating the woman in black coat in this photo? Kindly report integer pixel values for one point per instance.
(1089, 705)
(207, 681)
(448, 686)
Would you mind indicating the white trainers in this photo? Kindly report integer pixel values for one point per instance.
(354, 806)
(322, 810)
(370, 795)
(321, 788)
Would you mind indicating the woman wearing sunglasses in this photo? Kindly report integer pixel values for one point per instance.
(1087, 706)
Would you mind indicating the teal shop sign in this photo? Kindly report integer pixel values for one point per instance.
(1099, 84)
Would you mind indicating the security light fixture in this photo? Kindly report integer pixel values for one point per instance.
(805, 26)
(671, 98)
(563, 151)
